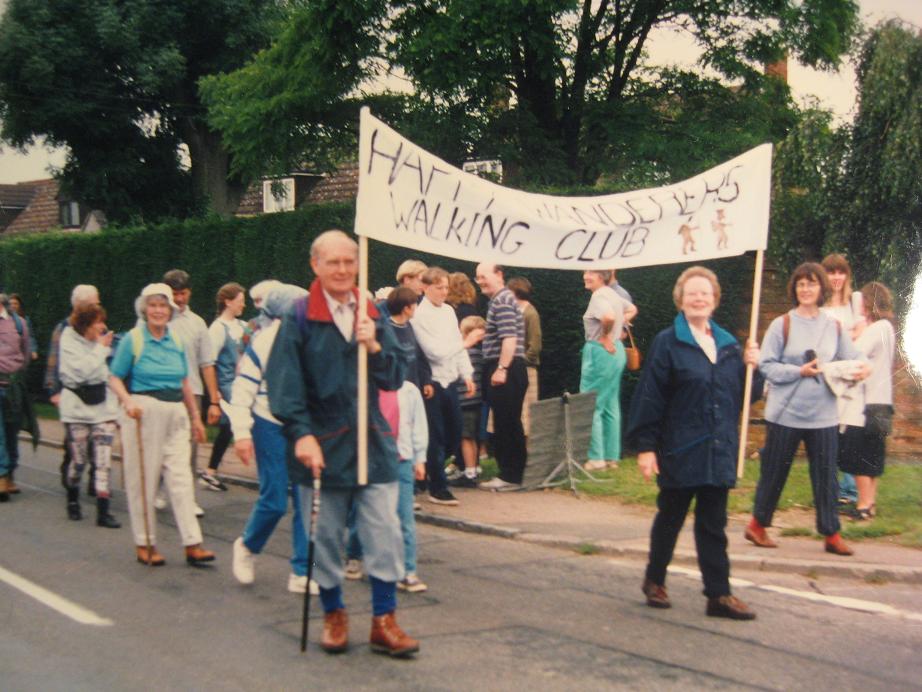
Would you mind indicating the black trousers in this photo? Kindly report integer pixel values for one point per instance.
(781, 442)
(710, 535)
(506, 402)
(443, 414)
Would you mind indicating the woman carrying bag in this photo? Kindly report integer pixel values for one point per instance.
(149, 375)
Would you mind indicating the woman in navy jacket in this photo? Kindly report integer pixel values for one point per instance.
(683, 423)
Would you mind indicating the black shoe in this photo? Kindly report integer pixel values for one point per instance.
(463, 482)
(442, 497)
(103, 518)
(73, 504)
(206, 480)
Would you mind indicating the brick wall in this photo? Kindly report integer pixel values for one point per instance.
(906, 440)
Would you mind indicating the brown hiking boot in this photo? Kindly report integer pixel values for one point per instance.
(729, 607)
(656, 594)
(196, 555)
(836, 546)
(155, 559)
(335, 638)
(757, 534)
(388, 638)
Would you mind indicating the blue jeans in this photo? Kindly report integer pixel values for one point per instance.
(407, 482)
(274, 490)
(847, 488)
(9, 442)
(443, 413)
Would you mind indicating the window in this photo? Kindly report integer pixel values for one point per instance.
(278, 195)
(491, 169)
(69, 214)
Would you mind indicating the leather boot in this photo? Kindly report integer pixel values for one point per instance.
(656, 594)
(12, 488)
(388, 638)
(155, 559)
(335, 638)
(103, 518)
(729, 607)
(73, 504)
(836, 546)
(196, 555)
(757, 534)
(4, 489)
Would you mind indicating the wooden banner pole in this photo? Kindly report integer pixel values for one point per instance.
(747, 390)
(363, 367)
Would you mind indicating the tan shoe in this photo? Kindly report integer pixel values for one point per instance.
(196, 555)
(4, 488)
(335, 638)
(656, 594)
(836, 546)
(388, 638)
(155, 559)
(757, 534)
(729, 607)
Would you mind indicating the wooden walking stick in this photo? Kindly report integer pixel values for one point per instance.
(150, 551)
(311, 536)
(747, 390)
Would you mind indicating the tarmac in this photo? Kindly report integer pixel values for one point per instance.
(589, 525)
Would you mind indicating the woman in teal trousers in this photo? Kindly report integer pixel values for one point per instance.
(603, 365)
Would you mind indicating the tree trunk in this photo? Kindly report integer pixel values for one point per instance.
(210, 168)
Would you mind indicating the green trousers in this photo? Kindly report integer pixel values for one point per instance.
(601, 373)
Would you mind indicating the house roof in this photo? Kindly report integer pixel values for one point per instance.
(41, 213)
(342, 185)
(16, 196)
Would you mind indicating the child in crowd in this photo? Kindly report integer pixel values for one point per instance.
(473, 329)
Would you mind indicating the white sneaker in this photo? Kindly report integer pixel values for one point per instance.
(298, 584)
(160, 500)
(411, 583)
(199, 512)
(499, 485)
(353, 569)
(243, 565)
(595, 465)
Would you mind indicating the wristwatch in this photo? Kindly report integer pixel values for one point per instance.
(501, 367)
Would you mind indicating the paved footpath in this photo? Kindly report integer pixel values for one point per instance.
(557, 518)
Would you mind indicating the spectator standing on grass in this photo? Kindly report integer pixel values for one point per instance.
(228, 334)
(193, 335)
(801, 406)
(683, 424)
(436, 329)
(504, 377)
(521, 287)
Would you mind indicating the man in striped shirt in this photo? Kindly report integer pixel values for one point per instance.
(504, 376)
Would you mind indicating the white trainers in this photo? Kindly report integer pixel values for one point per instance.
(353, 569)
(243, 565)
(297, 584)
(498, 485)
(411, 583)
(160, 500)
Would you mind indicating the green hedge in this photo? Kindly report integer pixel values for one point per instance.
(43, 269)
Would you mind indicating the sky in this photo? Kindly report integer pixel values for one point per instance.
(835, 91)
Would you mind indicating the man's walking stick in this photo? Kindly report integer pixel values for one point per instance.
(311, 536)
(150, 552)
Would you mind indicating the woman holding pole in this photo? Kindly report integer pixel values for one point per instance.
(801, 406)
(149, 376)
(683, 423)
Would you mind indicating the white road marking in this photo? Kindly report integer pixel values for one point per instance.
(75, 612)
(839, 601)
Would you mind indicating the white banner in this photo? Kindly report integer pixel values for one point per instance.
(410, 198)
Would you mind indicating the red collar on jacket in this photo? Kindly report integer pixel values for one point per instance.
(319, 311)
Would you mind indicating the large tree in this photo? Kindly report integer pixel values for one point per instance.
(116, 83)
(562, 69)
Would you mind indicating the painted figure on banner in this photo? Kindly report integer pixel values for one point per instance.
(688, 241)
(720, 226)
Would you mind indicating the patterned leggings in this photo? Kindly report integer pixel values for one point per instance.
(78, 442)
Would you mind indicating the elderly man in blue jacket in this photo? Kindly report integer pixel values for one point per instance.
(312, 380)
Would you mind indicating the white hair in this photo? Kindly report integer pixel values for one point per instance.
(83, 294)
(326, 238)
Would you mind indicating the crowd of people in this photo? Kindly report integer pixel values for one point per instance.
(446, 382)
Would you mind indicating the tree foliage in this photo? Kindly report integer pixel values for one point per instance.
(115, 81)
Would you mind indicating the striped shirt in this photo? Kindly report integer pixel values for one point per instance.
(504, 319)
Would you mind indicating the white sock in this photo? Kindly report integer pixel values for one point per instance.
(471, 473)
